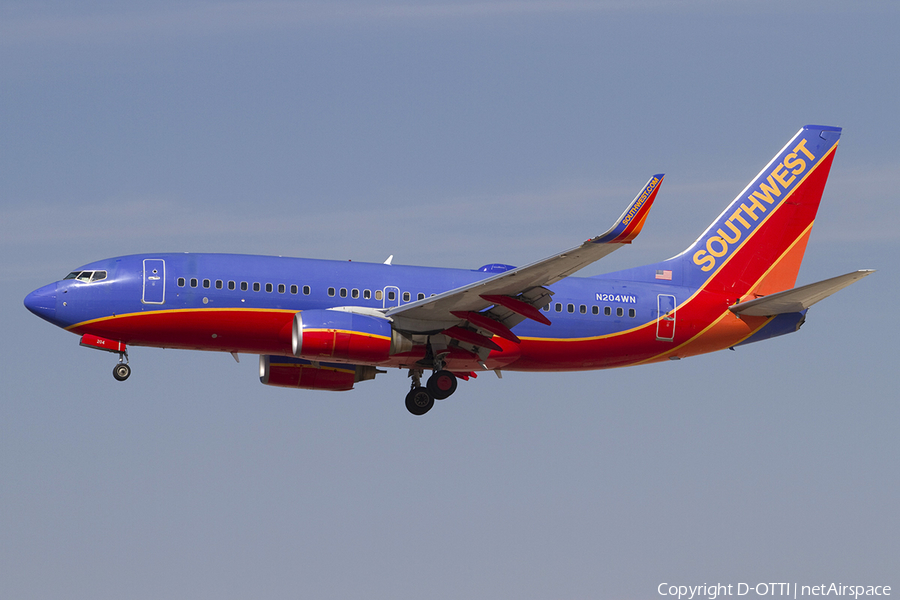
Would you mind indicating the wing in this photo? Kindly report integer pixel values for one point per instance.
(517, 294)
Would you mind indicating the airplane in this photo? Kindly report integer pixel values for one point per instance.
(327, 325)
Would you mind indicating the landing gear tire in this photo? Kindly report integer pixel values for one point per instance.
(442, 384)
(419, 401)
(121, 372)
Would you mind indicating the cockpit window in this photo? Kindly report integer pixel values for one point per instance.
(86, 276)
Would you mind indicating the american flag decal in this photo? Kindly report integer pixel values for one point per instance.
(666, 274)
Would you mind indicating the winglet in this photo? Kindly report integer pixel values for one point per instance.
(631, 222)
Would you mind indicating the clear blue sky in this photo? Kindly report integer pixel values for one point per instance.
(449, 134)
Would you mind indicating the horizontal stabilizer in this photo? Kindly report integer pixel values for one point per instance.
(797, 299)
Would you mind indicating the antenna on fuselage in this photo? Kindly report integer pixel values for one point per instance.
(389, 259)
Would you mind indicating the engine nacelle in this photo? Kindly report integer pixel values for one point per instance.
(284, 371)
(345, 336)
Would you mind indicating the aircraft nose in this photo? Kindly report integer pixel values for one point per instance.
(42, 302)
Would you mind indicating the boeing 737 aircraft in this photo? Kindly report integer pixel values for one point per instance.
(326, 325)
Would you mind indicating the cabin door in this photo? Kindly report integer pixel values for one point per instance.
(154, 281)
(665, 320)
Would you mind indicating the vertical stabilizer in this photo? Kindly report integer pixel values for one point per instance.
(756, 245)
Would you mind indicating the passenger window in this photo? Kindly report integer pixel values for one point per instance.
(181, 282)
(230, 285)
(243, 286)
(607, 311)
(378, 294)
(343, 292)
(367, 294)
(218, 284)
(620, 311)
(582, 309)
(294, 289)
(354, 293)
(558, 307)
(194, 282)
(256, 286)
(206, 283)
(631, 312)
(331, 292)
(545, 308)
(570, 308)
(595, 310)
(392, 295)
(281, 288)
(269, 288)
(406, 296)
(420, 296)
(306, 290)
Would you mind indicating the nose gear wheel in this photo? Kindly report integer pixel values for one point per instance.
(121, 371)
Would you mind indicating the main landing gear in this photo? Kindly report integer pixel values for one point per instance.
(439, 386)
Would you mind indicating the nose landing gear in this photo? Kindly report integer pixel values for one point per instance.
(122, 371)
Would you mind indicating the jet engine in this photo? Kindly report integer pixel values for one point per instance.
(342, 335)
(285, 371)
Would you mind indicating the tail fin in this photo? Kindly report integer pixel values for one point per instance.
(757, 244)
